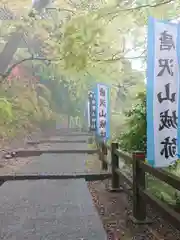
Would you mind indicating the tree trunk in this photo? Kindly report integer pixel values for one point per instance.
(11, 46)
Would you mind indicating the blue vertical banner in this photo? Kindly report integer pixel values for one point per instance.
(92, 110)
(178, 92)
(162, 93)
(103, 111)
(88, 114)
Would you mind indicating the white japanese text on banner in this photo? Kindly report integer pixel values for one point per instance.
(92, 110)
(162, 93)
(103, 108)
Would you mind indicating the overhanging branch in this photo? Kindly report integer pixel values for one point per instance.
(11, 46)
(118, 10)
(62, 10)
(32, 58)
(115, 59)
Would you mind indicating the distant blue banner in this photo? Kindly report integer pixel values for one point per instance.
(103, 111)
(92, 110)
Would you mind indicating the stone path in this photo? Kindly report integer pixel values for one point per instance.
(64, 146)
(55, 164)
(58, 163)
(50, 209)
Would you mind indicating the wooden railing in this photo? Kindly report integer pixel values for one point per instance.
(137, 183)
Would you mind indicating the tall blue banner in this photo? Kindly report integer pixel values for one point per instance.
(103, 111)
(162, 93)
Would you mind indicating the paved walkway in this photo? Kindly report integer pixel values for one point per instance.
(50, 209)
(58, 163)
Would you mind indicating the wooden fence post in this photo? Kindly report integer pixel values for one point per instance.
(139, 181)
(99, 147)
(114, 164)
(97, 142)
(104, 165)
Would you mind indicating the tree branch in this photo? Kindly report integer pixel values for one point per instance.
(32, 58)
(139, 7)
(113, 59)
(62, 10)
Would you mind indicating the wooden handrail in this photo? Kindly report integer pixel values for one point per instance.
(162, 175)
(127, 157)
(141, 196)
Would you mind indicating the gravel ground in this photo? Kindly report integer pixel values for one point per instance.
(115, 208)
